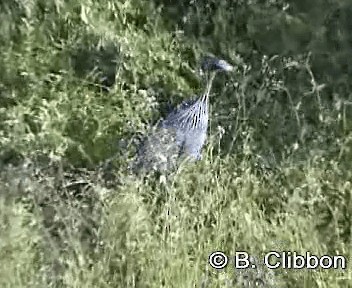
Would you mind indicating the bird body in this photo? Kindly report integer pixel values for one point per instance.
(184, 131)
(190, 122)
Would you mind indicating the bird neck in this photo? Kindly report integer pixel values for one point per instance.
(210, 79)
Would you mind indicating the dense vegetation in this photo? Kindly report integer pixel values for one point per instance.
(82, 81)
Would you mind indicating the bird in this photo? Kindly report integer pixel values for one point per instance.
(182, 134)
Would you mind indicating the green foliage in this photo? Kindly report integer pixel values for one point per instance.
(80, 80)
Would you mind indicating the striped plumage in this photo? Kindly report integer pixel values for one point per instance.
(190, 120)
(183, 132)
(192, 114)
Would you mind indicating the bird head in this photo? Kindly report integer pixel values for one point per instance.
(210, 66)
(213, 64)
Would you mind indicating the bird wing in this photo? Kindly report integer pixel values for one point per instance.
(159, 151)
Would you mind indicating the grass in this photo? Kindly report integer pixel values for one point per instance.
(81, 80)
